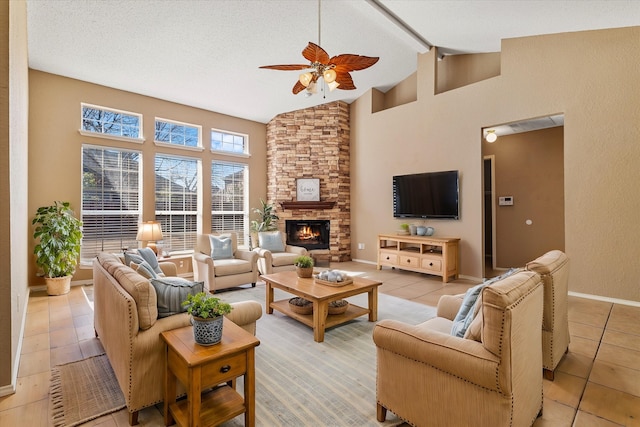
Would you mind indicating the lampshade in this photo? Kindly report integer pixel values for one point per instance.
(333, 85)
(150, 231)
(329, 76)
(305, 79)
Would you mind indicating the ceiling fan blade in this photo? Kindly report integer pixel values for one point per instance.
(345, 81)
(286, 67)
(348, 62)
(298, 87)
(315, 53)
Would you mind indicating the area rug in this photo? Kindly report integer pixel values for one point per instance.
(83, 390)
(300, 382)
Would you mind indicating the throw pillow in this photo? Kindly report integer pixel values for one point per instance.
(221, 247)
(172, 291)
(132, 256)
(144, 269)
(271, 241)
(148, 255)
(470, 305)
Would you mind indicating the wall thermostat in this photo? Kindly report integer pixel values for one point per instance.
(505, 201)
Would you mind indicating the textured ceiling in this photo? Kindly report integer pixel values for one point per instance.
(206, 53)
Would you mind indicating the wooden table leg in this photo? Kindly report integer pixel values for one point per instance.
(269, 293)
(373, 304)
(250, 390)
(169, 392)
(194, 395)
(320, 313)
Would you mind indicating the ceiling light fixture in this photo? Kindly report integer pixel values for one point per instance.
(491, 136)
(334, 71)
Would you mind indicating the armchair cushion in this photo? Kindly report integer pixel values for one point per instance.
(271, 241)
(283, 258)
(172, 291)
(227, 267)
(221, 247)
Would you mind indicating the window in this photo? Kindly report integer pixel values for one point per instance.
(176, 133)
(111, 194)
(110, 123)
(228, 142)
(177, 201)
(229, 204)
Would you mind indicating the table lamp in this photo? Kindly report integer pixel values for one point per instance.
(150, 232)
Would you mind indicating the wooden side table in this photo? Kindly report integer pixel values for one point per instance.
(201, 368)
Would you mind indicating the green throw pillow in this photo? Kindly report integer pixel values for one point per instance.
(172, 291)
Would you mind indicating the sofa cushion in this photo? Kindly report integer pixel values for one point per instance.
(135, 285)
(221, 247)
(144, 269)
(271, 241)
(227, 267)
(172, 291)
(143, 254)
(283, 258)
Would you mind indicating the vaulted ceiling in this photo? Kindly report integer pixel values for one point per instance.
(206, 53)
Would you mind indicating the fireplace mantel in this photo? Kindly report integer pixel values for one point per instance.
(307, 205)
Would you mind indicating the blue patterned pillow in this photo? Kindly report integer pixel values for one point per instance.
(144, 269)
(221, 247)
(271, 241)
(172, 291)
(151, 258)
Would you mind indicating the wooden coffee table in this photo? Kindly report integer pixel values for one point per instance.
(320, 296)
(200, 368)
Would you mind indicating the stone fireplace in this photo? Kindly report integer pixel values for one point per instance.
(310, 234)
(312, 143)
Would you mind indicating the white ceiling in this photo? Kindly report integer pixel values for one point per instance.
(206, 54)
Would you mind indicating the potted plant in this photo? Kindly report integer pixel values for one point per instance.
(304, 266)
(267, 220)
(207, 314)
(59, 235)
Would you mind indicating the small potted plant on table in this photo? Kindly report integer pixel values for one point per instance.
(304, 266)
(207, 317)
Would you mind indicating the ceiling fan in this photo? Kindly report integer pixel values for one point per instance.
(334, 71)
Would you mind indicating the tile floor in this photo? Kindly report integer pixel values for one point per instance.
(597, 383)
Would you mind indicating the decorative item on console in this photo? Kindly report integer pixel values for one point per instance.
(304, 266)
(424, 231)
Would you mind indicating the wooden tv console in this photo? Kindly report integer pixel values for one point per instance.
(424, 254)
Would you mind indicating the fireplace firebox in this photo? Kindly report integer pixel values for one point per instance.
(310, 234)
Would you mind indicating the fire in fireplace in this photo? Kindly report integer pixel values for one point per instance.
(310, 234)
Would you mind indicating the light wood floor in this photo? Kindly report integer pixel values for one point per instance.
(596, 384)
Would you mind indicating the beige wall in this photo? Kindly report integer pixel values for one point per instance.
(13, 186)
(592, 77)
(55, 168)
(529, 167)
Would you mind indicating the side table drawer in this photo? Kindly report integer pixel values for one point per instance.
(224, 369)
(409, 261)
(432, 264)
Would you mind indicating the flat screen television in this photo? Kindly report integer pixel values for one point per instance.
(432, 195)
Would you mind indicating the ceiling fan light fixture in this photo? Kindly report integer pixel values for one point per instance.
(312, 87)
(329, 76)
(333, 85)
(305, 79)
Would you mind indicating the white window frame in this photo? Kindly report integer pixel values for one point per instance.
(198, 147)
(86, 213)
(139, 139)
(166, 231)
(244, 233)
(245, 145)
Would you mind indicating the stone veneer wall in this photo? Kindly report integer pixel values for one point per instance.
(313, 143)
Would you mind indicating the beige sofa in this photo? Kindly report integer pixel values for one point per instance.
(430, 378)
(127, 324)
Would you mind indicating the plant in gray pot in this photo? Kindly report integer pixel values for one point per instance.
(207, 314)
(58, 234)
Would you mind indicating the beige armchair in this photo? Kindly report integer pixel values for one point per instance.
(236, 268)
(553, 267)
(274, 253)
(428, 377)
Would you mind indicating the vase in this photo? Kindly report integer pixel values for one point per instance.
(412, 229)
(304, 272)
(207, 331)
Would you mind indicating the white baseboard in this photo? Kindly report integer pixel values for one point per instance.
(605, 299)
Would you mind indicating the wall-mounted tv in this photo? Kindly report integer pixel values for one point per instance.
(433, 195)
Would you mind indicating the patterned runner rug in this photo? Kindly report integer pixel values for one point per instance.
(84, 390)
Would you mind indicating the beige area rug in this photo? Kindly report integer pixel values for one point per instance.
(300, 382)
(84, 390)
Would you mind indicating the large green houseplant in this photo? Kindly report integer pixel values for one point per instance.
(58, 234)
(267, 221)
